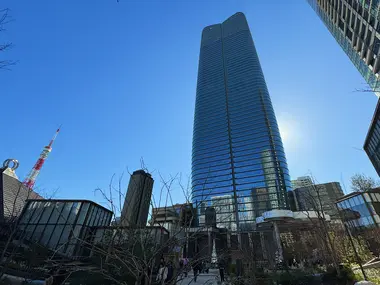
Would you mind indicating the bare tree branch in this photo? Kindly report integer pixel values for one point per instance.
(5, 19)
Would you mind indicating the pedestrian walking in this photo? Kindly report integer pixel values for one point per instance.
(221, 270)
(170, 274)
(162, 273)
(186, 266)
(181, 267)
(196, 269)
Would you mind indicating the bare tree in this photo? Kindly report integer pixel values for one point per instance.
(363, 183)
(125, 254)
(320, 227)
(5, 18)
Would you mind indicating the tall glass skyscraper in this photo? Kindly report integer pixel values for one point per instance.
(238, 161)
(355, 25)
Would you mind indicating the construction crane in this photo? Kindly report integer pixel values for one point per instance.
(30, 180)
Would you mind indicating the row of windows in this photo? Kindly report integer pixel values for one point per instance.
(251, 76)
(211, 133)
(203, 120)
(221, 148)
(239, 171)
(239, 91)
(254, 98)
(243, 209)
(205, 175)
(252, 117)
(210, 176)
(216, 121)
(259, 182)
(228, 201)
(244, 160)
(221, 165)
(207, 180)
(211, 111)
(257, 125)
(204, 140)
(248, 145)
(240, 178)
(211, 162)
(205, 189)
(211, 153)
(253, 126)
(253, 134)
(241, 116)
(247, 159)
(244, 76)
(214, 166)
(211, 124)
(250, 135)
(223, 145)
(222, 204)
(237, 147)
(214, 103)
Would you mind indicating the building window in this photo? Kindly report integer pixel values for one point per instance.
(341, 25)
(349, 34)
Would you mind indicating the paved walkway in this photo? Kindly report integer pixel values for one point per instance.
(207, 279)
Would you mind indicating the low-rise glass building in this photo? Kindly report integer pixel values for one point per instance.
(61, 225)
(360, 211)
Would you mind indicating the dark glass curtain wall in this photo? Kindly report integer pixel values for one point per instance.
(238, 160)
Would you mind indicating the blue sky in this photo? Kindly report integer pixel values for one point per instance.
(121, 78)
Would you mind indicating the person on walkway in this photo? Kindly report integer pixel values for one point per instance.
(170, 274)
(221, 270)
(186, 266)
(196, 269)
(162, 273)
(181, 267)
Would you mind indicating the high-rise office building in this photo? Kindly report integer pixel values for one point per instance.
(372, 141)
(236, 141)
(137, 200)
(356, 27)
(302, 181)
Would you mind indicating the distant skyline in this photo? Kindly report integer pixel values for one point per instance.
(121, 78)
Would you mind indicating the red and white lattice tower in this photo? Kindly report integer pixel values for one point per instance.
(32, 176)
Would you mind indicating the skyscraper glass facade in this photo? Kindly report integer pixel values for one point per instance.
(355, 25)
(372, 142)
(238, 157)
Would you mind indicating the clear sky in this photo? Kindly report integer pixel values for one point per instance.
(121, 78)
